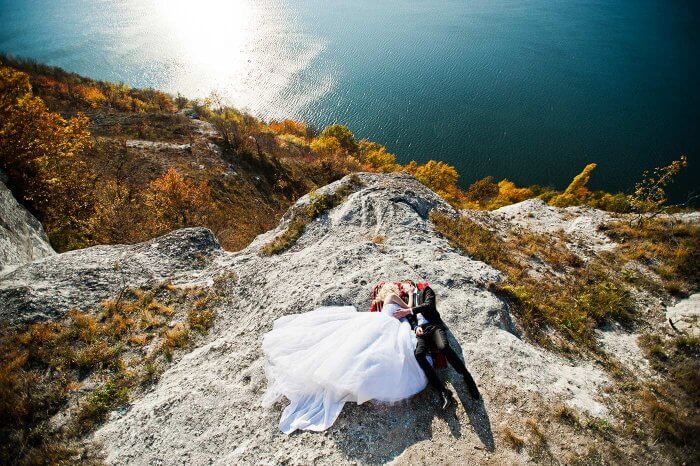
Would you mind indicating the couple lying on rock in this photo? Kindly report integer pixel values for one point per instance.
(321, 359)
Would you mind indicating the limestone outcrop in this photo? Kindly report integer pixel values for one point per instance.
(22, 238)
(206, 409)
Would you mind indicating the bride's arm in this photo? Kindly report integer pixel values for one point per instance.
(392, 298)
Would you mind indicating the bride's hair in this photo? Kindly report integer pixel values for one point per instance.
(386, 290)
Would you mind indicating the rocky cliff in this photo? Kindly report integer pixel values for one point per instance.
(22, 238)
(205, 409)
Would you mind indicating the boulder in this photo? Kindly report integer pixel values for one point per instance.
(50, 287)
(22, 238)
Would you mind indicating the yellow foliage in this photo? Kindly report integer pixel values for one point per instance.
(343, 135)
(509, 193)
(438, 176)
(577, 192)
(326, 146)
(91, 94)
(376, 158)
(38, 150)
(577, 187)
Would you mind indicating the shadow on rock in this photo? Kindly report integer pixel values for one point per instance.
(376, 433)
(476, 409)
(479, 418)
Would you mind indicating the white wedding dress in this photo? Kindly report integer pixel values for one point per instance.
(321, 359)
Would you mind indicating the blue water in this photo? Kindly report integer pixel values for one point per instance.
(529, 90)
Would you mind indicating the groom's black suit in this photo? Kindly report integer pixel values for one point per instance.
(434, 336)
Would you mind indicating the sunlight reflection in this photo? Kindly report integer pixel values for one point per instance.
(248, 51)
(213, 34)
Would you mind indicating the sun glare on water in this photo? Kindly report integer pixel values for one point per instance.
(213, 35)
(248, 51)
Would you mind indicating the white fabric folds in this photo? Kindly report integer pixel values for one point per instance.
(322, 359)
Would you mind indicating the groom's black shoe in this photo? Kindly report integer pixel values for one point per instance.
(471, 386)
(445, 399)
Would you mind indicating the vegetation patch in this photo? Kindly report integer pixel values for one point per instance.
(60, 380)
(302, 216)
(568, 295)
(666, 246)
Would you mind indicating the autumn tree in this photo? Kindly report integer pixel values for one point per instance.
(577, 191)
(376, 157)
(91, 95)
(438, 176)
(326, 147)
(342, 134)
(292, 127)
(39, 152)
(649, 195)
(118, 214)
(509, 193)
(173, 202)
(482, 191)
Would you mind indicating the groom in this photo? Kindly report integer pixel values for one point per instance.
(431, 332)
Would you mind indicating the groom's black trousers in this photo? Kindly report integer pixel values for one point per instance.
(435, 336)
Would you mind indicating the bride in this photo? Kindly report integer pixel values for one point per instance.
(321, 359)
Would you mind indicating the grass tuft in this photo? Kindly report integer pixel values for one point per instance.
(318, 205)
(566, 415)
(512, 439)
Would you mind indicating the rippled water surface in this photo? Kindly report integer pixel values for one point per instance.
(530, 90)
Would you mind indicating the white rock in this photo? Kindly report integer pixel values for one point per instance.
(685, 315)
(22, 238)
(207, 406)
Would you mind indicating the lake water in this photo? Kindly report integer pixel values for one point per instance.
(530, 90)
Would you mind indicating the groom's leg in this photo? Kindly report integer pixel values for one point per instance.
(440, 341)
(421, 353)
(439, 337)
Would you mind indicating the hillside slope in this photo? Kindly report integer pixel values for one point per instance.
(205, 408)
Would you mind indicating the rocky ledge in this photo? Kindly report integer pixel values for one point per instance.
(205, 409)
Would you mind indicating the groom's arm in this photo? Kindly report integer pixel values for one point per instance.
(428, 308)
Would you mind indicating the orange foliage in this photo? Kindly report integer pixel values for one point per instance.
(290, 127)
(174, 202)
(39, 152)
(91, 95)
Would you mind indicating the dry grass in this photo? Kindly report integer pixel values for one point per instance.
(512, 439)
(378, 239)
(176, 337)
(572, 303)
(199, 317)
(108, 349)
(302, 216)
(672, 411)
(537, 440)
(566, 415)
(550, 289)
(669, 248)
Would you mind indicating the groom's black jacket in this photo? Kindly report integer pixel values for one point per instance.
(427, 307)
